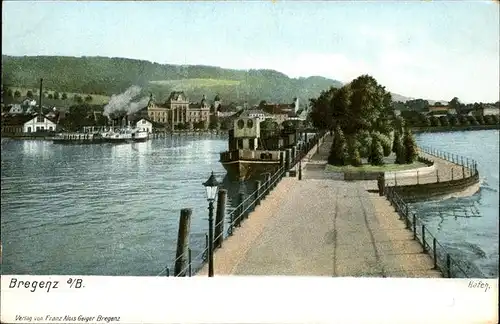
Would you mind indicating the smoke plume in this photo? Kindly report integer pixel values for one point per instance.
(122, 103)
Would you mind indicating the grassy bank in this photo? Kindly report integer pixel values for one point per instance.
(436, 129)
(374, 168)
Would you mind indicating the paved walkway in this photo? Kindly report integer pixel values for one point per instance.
(323, 227)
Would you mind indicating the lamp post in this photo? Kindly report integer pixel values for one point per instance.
(211, 186)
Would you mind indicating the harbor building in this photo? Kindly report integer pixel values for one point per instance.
(39, 123)
(144, 125)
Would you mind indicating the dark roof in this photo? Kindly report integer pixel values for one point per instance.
(198, 105)
(16, 120)
(174, 95)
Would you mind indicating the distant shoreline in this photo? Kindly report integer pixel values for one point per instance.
(151, 136)
(439, 129)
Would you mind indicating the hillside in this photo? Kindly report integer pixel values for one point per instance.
(107, 76)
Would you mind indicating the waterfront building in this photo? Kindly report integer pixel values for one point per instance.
(486, 110)
(198, 111)
(14, 124)
(438, 110)
(16, 109)
(259, 114)
(144, 125)
(176, 110)
(39, 123)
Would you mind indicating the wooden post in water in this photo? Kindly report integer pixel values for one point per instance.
(293, 154)
(219, 217)
(282, 158)
(437, 175)
(463, 172)
(451, 173)
(182, 242)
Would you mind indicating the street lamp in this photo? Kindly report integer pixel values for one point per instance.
(211, 186)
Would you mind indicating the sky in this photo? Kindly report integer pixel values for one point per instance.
(423, 49)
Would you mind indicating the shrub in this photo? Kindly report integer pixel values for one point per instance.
(338, 151)
(488, 120)
(472, 120)
(494, 119)
(463, 121)
(354, 158)
(399, 149)
(435, 121)
(480, 120)
(365, 141)
(444, 120)
(396, 138)
(410, 147)
(453, 121)
(376, 152)
(385, 141)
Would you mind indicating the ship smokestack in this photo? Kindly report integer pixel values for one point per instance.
(40, 97)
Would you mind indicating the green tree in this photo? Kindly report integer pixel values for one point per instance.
(365, 141)
(321, 109)
(463, 120)
(488, 120)
(56, 95)
(51, 96)
(385, 141)
(399, 149)
(64, 96)
(455, 104)
(17, 94)
(410, 147)
(434, 121)
(480, 119)
(354, 158)
(29, 94)
(472, 120)
(338, 150)
(77, 98)
(399, 124)
(376, 152)
(443, 120)
(88, 98)
(453, 121)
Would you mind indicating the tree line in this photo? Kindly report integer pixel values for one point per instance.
(9, 93)
(416, 119)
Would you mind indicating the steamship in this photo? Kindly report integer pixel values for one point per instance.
(253, 149)
(125, 134)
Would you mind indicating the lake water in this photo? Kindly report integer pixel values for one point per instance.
(468, 227)
(104, 209)
(114, 209)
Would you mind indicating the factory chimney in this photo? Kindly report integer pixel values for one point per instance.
(40, 98)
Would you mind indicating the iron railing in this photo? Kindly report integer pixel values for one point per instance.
(442, 259)
(242, 210)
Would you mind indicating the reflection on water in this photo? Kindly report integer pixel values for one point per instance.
(104, 209)
(468, 226)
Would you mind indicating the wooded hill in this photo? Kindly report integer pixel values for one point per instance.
(108, 76)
